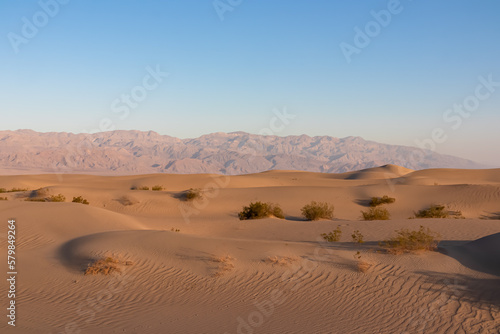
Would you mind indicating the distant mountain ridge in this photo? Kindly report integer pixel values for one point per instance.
(137, 152)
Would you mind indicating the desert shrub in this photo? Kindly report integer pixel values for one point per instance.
(143, 188)
(376, 201)
(80, 199)
(173, 229)
(406, 241)
(280, 260)
(4, 199)
(56, 198)
(317, 210)
(192, 194)
(333, 236)
(157, 188)
(224, 264)
(13, 190)
(434, 211)
(376, 214)
(260, 210)
(3, 190)
(357, 237)
(103, 266)
(35, 199)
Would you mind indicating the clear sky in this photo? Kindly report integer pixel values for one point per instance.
(387, 71)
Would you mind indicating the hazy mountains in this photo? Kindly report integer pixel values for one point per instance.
(136, 152)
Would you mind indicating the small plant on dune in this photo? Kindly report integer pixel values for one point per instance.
(280, 260)
(434, 211)
(376, 201)
(56, 198)
(259, 210)
(4, 199)
(333, 236)
(193, 194)
(376, 214)
(357, 237)
(407, 241)
(103, 266)
(157, 188)
(225, 264)
(143, 188)
(35, 199)
(362, 265)
(13, 190)
(173, 229)
(81, 200)
(317, 210)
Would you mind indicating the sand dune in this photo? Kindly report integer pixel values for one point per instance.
(218, 274)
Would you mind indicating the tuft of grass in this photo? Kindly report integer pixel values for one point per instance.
(193, 194)
(317, 210)
(407, 241)
(280, 260)
(81, 200)
(13, 190)
(4, 199)
(157, 188)
(225, 264)
(376, 201)
(357, 237)
(434, 211)
(333, 236)
(103, 266)
(259, 210)
(56, 198)
(361, 265)
(376, 214)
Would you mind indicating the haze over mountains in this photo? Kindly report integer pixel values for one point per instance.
(136, 152)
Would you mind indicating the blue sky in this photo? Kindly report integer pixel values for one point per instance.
(231, 67)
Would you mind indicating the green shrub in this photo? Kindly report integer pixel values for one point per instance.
(259, 210)
(406, 241)
(376, 214)
(357, 237)
(157, 188)
(57, 198)
(192, 194)
(435, 211)
(333, 236)
(376, 201)
(80, 199)
(317, 210)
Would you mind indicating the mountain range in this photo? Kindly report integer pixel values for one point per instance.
(138, 152)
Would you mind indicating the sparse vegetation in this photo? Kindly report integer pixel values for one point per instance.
(13, 190)
(376, 214)
(225, 264)
(4, 199)
(376, 201)
(173, 229)
(105, 266)
(362, 265)
(333, 236)
(259, 210)
(143, 188)
(407, 241)
(56, 198)
(317, 210)
(157, 188)
(434, 211)
(192, 194)
(35, 199)
(81, 200)
(357, 237)
(280, 260)
(127, 200)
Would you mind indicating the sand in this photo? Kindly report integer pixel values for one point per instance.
(218, 274)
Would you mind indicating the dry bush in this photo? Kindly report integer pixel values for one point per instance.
(376, 214)
(81, 200)
(157, 188)
(4, 199)
(317, 210)
(103, 266)
(139, 188)
(333, 236)
(259, 210)
(56, 198)
(376, 201)
(407, 241)
(363, 266)
(192, 194)
(30, 199)
(13, 190)
(434, 211)
(280, 260)
(225, 264)
(357, 237)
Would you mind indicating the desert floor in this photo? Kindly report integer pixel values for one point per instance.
(218, 274)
